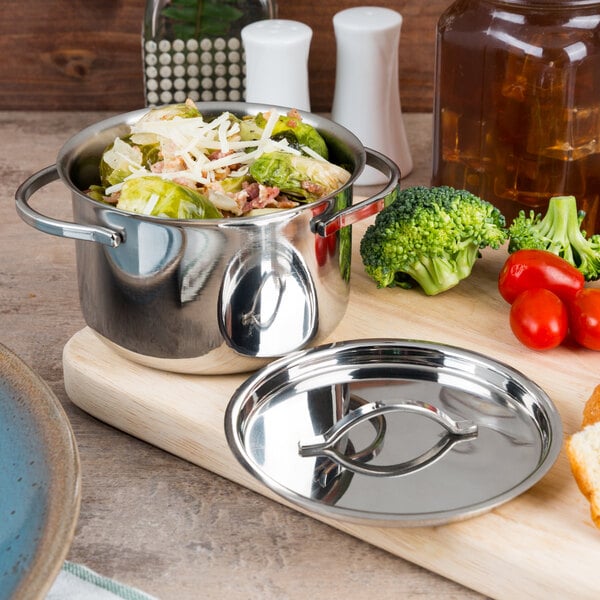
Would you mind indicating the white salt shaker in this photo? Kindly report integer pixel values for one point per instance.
(367, 97)
(277, 62)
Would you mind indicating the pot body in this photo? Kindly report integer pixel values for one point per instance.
(216, 295)
(204, 297)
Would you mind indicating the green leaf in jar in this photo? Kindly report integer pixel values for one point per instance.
(193, 19)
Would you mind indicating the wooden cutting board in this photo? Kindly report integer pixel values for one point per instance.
(539, 545)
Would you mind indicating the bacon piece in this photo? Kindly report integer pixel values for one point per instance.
(112, 199)
(252, 190)
(186, 182)
(293, 118)
(169, 165)
(313, 188)
(262, 196)
(216, 154)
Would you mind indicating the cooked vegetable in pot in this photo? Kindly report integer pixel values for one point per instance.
(174, 163)
(298, 176)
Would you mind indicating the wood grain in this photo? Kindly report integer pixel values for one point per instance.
(79, 55)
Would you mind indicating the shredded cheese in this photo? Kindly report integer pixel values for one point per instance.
(151, 204)
(312, 153)
(192, 140)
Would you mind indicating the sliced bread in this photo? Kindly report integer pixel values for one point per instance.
(583, 450)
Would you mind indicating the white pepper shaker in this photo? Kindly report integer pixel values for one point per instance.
(367, 96)
(277, 63)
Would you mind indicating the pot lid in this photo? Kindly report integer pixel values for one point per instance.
(393, 432)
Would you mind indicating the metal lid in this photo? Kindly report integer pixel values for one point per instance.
(394, 432)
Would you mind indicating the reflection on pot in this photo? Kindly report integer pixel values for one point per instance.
(147, 294)
(267, 304)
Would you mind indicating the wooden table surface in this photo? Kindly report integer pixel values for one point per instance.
(147, 518)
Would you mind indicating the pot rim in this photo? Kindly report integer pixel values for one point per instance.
(77, 145)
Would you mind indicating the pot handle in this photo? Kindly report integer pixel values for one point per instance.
(35, 182)
(370, 206)
(325, 444)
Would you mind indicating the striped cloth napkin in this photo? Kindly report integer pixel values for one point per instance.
(77, 582)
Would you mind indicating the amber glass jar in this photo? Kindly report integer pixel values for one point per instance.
(517, 103)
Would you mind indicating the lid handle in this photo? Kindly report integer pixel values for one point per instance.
(324, 445)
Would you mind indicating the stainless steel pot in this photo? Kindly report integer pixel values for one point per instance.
(216, 295)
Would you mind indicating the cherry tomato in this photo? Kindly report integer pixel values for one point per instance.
(526, 269)
(539, 319)
(584, 312)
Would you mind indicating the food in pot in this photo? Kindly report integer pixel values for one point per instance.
(175, 163)
(583, 450)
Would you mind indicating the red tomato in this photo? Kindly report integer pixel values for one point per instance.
(584, 311)
(527, 269)
(539, 319)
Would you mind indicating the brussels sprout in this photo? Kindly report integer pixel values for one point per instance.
(119, 161)
(163, 198)
(250, 129)
(185, 110)
(299, 176)
(233, 184)
(123, 157)
(96, 192)
(290, 127)
(305, 134)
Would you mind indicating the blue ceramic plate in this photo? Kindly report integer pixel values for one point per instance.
(39, 482)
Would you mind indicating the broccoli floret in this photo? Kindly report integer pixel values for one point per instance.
(431, 237)
(558, 231)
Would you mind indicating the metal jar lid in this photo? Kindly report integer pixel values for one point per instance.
(393, 432)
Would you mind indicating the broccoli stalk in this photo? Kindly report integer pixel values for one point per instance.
(558, 231)
(434, 274)
(430, 237)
